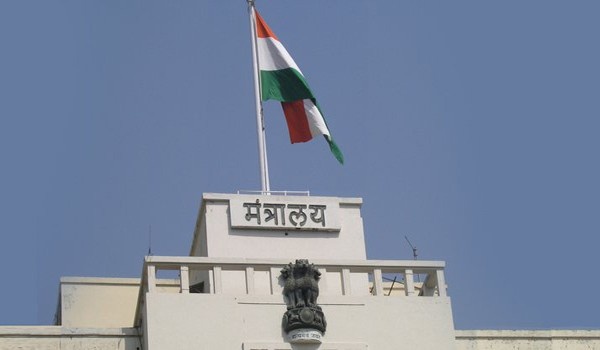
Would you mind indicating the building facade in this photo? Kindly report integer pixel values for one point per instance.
(235, 290)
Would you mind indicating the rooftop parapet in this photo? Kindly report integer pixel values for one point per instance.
(261, 277)
(241, 302)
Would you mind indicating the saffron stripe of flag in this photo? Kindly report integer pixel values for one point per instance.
(283, 81)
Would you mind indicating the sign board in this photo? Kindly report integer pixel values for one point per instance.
(285, 213)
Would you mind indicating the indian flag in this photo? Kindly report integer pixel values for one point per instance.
(282, 80)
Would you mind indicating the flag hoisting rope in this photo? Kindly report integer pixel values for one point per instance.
(278, 77)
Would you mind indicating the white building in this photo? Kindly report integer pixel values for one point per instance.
(227, 294)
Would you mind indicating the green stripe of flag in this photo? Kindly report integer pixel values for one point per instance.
(284, 85)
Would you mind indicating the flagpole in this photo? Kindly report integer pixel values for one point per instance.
(260, 123)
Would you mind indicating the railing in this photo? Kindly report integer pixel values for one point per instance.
(432, 271)
(275, 193)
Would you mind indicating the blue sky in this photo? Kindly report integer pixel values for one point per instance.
(469, 126)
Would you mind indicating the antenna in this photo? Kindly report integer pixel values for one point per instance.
(415, 255)
(414, 249)
(149, 239)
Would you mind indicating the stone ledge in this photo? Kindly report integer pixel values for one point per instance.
(527, 334)
(58, 331)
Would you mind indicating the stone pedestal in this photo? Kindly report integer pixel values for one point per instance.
(305, 335)
(304, 318)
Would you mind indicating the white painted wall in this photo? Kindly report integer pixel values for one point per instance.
(528, 340)
(89, 302)
(98, 302)
(214, 236)
(64, 338)
(208, 321)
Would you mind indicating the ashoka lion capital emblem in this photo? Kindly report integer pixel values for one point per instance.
(304, 320)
